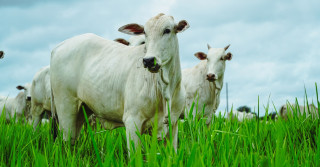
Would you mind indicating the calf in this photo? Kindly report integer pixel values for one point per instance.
(203, 82)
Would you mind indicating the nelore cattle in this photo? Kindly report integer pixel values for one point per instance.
(18, 106)
(102, 76)
(241, 114)
(290, 110)
(1, 54)
(41, 95)
(203, 82)
(133, 41)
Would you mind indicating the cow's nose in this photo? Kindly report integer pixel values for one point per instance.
(148, 62)
(210, 77)
(29, 98)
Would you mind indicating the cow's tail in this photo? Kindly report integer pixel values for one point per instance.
(54, 122)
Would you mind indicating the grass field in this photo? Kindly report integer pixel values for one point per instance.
(225, 143)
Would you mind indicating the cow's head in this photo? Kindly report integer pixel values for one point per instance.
(137, 40)
(27, 91)
(1, 54)
(216, 62)
(161, 43)
(133, 41)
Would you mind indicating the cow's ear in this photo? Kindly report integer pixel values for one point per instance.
(228, 56)
(123, 41)
(19, 87)
(181, 26)
(132, 29)
(201, 55)
(1, 54)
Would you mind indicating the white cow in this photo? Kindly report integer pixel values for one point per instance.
(19, 106)
(240, 116)
(41, 95)
(106, 79)
(203, 82)
(1, 54)
(310, 111)
(133, 41)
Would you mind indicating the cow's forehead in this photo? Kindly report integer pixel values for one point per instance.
(159, 22)
(28, 86)
(216, 52)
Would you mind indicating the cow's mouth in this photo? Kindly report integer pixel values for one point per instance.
(211, 79)
(154, 68)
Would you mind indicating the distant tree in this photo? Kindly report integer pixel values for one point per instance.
(244, 109)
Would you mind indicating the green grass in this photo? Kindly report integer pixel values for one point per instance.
(225, 143)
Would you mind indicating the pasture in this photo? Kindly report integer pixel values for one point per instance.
(224, 143)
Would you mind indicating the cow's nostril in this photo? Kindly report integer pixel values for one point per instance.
(144, 63)
(210, 76)
(148, 62)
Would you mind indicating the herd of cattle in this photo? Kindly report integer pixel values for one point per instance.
(106, 79)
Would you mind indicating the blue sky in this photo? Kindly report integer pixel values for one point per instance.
(276, 44)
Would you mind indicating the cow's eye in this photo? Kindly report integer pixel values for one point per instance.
(142, 43)
(166, 31)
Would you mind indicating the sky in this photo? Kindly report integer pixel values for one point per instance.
(275, 44)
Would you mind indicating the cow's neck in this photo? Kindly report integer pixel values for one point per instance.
(170, 75)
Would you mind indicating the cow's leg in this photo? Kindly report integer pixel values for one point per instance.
(36, 120)
(167, 109)
(175, 136)
(81, 119)
(178, 106)
(67, 110)
(36, 115)
(209, 119)
(133, 124)
(18, 116)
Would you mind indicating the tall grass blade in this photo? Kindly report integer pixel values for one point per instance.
(92, 138)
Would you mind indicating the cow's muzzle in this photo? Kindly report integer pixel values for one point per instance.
(28, 98)
(151, 64)
(211, 77)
